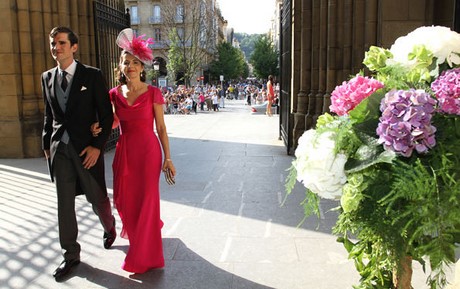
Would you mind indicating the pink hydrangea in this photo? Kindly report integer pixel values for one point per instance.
(447, 90)
(347, 96)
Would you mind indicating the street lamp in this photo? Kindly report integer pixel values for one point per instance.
(156, 67)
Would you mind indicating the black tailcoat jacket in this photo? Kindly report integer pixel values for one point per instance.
(88, 101)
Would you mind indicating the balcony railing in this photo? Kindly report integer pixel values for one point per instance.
(154, 19)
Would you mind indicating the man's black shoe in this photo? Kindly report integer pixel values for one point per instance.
(65, 268)
(109, 237)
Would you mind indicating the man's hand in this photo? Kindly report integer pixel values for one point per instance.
(47, 154)
(91, 156)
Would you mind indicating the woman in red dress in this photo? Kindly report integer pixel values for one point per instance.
(138, 160)
(270, 95)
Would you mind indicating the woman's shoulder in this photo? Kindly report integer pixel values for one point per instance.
(153, 89)
(155, 92)
(115, 90)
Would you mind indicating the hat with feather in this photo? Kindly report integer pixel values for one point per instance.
(136, 46)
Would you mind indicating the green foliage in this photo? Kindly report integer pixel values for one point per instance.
(396, 76)
(376, 57)
(395, 207)
(409, 207)
(175, 64)
(152, 74)
(264, 58)
(229, 61)
(398, 209)
(311, 202)
(247, 43)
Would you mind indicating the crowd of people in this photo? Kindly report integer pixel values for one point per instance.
(183, 100)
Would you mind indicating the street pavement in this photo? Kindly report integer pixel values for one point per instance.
(225, 225)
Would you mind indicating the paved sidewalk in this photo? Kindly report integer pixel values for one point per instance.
(224, 226)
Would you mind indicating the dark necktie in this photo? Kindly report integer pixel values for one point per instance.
(64, 82)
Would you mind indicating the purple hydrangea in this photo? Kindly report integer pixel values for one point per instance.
(405, 123)
(447, 90)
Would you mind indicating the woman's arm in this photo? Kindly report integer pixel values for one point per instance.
(96, 129)
(163, 136)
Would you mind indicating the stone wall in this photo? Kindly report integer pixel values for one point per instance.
(331, 36)
(24, 55)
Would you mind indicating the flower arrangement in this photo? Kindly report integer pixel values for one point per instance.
(391, 155)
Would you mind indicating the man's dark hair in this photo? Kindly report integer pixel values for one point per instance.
(73, 38)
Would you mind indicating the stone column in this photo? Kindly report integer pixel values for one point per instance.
(314, 80)
(347, 38)
(332, 40)
(296, 52)
(305, 72)
(359, 23)
(322, 65)
(24, 54)
(371, 27)
(11, 141)
(339, 38)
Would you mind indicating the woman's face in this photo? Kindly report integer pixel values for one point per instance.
(131, 66)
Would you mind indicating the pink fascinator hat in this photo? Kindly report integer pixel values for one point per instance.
(136, 46)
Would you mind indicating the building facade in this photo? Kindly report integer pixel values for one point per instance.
(197, 26)
(24, 52)
(322, 43)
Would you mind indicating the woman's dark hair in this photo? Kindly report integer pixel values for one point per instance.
(73, 38)
(121, 78)
(270, 77)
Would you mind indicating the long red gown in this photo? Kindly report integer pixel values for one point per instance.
(136, 176)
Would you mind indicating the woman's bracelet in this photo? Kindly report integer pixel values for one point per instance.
(168, 160)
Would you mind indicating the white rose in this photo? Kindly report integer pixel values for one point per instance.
(318, 167)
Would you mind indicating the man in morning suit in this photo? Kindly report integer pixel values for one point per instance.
(75, 96)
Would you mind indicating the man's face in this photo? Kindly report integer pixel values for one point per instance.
(61, 49)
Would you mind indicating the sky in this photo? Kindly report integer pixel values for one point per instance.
(248, 16)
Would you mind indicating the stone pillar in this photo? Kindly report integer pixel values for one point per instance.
(371, 29)
(315, 54)
(296, 52)
(339, 40)
(347, 38)
(24, 54)
(331, 53)
(305, 72)
(11, 141)
(359, 23)
(322, 65)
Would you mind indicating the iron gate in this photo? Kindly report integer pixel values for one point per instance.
(285, 75)
(108, 22)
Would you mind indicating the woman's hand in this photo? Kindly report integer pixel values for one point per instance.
(95, 129)
(168, 164)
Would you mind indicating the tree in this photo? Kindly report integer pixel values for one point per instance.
(245, 72)
(190, 23)
(247, 42)
(264, 59)
(229, 61)
(176, 61)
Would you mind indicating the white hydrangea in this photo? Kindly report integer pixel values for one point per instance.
(441, 41)
(318, 167)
